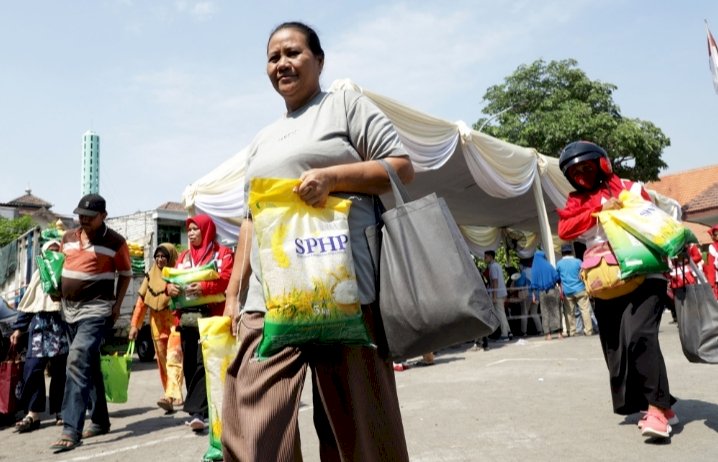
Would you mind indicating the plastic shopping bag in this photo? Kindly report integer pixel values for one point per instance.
(183, 277)
(175, 371)
(49, 264)
(116, 374)
(10, 378)
(651, 225)
(219, 348)
(634, 257)
(307, 270)
(601, 274)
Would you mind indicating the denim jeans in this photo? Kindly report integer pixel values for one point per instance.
(84, 383)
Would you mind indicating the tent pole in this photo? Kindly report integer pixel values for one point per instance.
(546, 237)
(544, 226)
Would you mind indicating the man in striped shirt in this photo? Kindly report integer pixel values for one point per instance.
(94, 256)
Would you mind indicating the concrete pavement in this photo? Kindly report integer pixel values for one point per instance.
(527, 400)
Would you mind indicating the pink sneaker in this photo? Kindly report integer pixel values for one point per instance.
(670, 416)
(655, 425)
(400, 367)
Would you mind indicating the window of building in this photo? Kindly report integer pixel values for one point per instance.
(169, 233)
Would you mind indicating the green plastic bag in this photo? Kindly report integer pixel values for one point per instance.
(49, 264)
(116, 374)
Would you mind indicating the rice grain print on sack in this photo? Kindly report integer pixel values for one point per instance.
(306, 267)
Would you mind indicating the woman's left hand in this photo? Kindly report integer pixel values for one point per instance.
(315, 187)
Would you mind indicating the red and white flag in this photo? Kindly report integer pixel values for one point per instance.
(712, 58)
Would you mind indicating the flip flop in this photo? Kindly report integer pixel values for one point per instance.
(64, 444)
(27, 424)
(94, 430)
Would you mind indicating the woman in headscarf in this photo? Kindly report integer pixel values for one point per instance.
(203, 249)
(40, 317)
(544, 280)
(711, 265)
(628, 324)
(152, 295)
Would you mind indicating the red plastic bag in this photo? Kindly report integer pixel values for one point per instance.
(10, 376)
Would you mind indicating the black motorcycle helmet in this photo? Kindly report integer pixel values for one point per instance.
(581, 151)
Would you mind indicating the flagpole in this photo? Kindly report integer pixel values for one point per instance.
(712, 56)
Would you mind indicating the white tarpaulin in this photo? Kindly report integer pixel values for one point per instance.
(491, 187)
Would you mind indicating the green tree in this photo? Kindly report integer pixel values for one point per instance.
(12, 229)
(548, 105)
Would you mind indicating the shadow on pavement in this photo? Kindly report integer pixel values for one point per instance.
(127, 412)
(688, 410)
(141, 427)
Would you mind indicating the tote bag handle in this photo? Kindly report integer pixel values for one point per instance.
(400, 193)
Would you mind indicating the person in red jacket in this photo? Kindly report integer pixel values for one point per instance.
(628, 325)
(711, 266)
(203, 249)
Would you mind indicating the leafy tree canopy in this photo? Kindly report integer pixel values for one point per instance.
(12, 229)
(548, 105)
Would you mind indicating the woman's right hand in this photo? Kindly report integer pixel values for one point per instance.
(133, 333)
(173, 290)
(15, 337)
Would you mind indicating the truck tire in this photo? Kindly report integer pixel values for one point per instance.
(143, 345)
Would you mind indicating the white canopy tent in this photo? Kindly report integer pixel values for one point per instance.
(493, 188)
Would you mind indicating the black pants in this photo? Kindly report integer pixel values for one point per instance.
(33, 388)
(628, 328)
(194, 374)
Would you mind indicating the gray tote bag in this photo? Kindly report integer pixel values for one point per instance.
(697, 313)
(431, 295)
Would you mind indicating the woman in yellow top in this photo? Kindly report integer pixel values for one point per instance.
(152, 294)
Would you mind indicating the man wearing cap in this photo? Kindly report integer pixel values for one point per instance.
(574, 291)
(94, 256)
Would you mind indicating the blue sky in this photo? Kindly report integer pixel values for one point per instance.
(174, 87)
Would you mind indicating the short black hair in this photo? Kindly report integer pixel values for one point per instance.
(490, 253)
(310, 34)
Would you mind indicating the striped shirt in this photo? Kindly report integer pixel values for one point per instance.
(88, 274)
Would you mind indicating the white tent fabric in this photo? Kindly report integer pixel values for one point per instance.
(488, 184)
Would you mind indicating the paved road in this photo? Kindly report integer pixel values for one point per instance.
(529, 400)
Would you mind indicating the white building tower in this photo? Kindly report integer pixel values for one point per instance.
(90, 163)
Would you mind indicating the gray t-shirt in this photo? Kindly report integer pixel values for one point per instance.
(332, 129)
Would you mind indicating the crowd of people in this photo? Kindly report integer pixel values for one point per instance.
(330, 142)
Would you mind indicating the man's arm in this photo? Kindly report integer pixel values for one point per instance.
(120, 290)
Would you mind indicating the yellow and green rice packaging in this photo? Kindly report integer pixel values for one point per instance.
(307, 271)
(219, 348)
(651, 225)
(183, 277)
